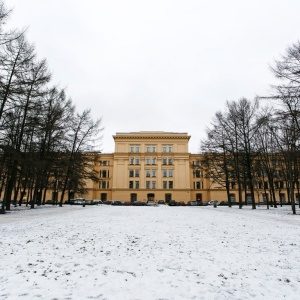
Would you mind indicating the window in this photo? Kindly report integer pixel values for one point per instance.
(153, 173)
(148, 160)
(153, 184)
(147, 184)
(170, 184)
(233, 185)
(134, 148)
(166, 148)
(134, 184)
(104, 173)
(134, 173)
(197, 185)
(170, 173)
(104, 163)
(164, 173)
(197, 174)
(131, 160)
(137, 160)
(150, 148)
(196, 163)
(147, 173)
(164, 161)
(154, 161)
(104, 184)
(170, 161)
(165, 184)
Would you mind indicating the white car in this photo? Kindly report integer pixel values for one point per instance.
(213, 202)
(151, 203)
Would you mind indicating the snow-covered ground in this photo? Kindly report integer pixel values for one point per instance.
(109, 252)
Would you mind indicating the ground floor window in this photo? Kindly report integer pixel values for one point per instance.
(232, 197)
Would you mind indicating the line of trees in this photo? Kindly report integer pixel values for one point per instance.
(44, 142)
(254, 146)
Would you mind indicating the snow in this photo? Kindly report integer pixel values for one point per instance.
(112, 252)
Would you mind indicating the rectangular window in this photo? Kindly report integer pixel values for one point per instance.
(137, 173)
(148, 161)
(131, 148)
(197, 185)
(154, 161)
(137, 148)
(131, 173)
(170, 173)
(147, 184)
(170, 148)
(131, 184)
(137, 160)
(170, 161)
(131, 160)
(153, 184)
(153, 148)
(164, 161)
(137, 184)
(148, 148)
(153, 173)
(147, 173)
(103, 184)
(165, 174)
(170, 184)
(165, 184)
(197, 174)
(164, 148)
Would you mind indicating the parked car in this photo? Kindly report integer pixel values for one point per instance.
(204, 203)
(96, 202)
(117, 202)
(79, 201)
(192, 203)
(172, 203)
(161, 202)
(151, 203)
(90, 202)
(139, 203)
(107, 202)
(213, 202)
(70, 201)
(50, 202)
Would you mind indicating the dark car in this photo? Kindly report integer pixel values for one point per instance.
(117, 202)
(172, 203)
(107, 202)
(181, 203)
(90, 202)
(139, 203)
(161, 202)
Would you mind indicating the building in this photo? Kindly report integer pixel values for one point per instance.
(152, 166)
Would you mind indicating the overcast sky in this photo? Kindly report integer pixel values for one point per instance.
(159, 65)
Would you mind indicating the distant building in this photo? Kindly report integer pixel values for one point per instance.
(152, 166)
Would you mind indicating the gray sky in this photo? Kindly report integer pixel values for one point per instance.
(159, 65)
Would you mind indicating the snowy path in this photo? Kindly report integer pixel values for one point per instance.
(107, 252)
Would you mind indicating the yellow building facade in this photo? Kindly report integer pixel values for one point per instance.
(152, 166)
